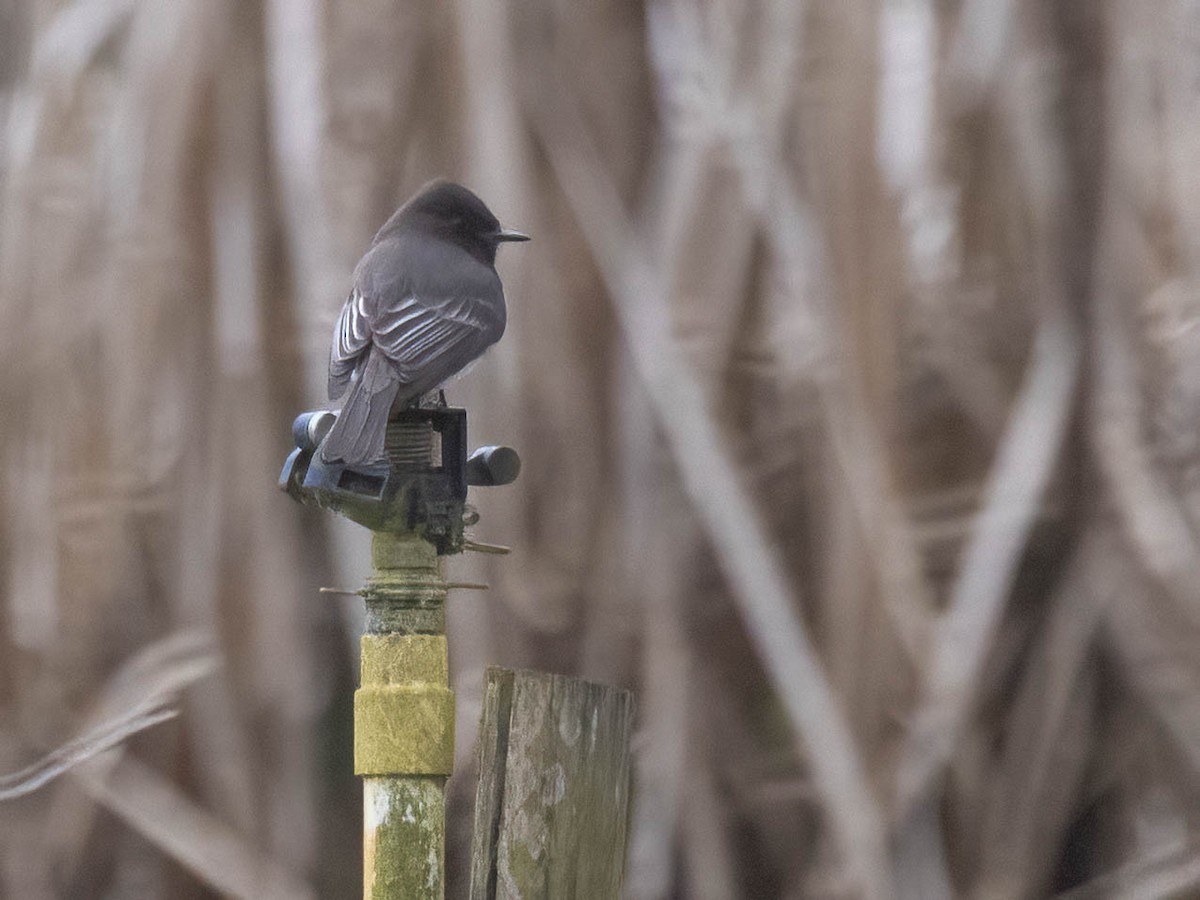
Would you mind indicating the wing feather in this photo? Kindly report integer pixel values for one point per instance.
(351, 340)
(431, 341)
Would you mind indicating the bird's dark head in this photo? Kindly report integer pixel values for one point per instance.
(453, 213)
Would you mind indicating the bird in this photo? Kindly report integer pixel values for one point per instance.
(425, 303)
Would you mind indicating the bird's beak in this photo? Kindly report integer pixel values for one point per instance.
(507, 234)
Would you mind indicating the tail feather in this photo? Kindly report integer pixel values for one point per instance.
(357, 437)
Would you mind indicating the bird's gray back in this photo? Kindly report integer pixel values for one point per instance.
(428, 306)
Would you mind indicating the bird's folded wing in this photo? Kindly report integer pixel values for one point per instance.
(428, 341)
(351, 338)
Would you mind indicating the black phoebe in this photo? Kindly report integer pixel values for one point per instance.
(426, 302)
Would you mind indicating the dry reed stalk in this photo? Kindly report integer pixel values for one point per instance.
(1045, 757)
(200, 842)
(706, 240)
(811, 337)
(281, 681)
(1024, 464)
(741, 543)
(711, 867)
(1154, 633)
(895, 555)
(1154, 522)
(667, 664)
(294, 60)
(558, 538)
(148, 680)
(916, 165)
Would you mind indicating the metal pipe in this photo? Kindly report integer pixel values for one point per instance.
(404, 722)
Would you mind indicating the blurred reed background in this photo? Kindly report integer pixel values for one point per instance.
(855, 365)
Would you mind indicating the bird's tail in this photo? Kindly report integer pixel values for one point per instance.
(357, 437)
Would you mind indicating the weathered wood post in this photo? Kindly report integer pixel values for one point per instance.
(415, 503)
(552, 802)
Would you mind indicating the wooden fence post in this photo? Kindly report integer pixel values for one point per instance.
(552, 802)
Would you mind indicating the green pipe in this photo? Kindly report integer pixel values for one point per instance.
(404, 722)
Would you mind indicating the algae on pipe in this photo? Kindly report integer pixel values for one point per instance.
(404, 722)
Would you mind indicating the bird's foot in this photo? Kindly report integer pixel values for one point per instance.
(433, 400)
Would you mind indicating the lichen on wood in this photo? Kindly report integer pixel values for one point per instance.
(553, 793)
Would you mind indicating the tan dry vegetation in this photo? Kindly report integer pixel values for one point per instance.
(856, 370)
